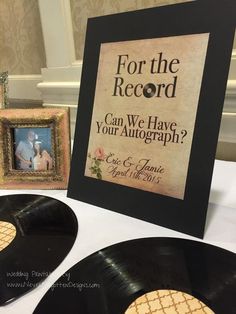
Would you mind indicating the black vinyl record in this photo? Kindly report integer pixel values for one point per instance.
(44, 230)
(108, 281)
(149, 90)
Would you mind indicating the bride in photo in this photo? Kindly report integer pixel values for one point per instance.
(42, 160)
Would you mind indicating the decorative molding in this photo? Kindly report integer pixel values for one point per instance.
(228, 128)
(24, 86)
(228, 122)
(232, 71)
(61, 85)
(59, 93)
(230, 97)
(63, 74)
(57, 32)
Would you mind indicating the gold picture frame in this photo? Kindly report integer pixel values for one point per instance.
(3, 89)
(34, 148)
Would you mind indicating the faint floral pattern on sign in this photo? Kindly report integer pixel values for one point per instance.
(96, 161)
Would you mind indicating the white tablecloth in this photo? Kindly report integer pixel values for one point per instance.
(99, 228)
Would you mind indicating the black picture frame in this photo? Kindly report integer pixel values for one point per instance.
(208, 16)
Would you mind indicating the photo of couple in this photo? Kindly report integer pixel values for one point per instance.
(33, 149)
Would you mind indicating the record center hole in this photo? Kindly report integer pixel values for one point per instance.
(168, 301)
(7, 234)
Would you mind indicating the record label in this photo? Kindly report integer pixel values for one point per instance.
(168, 302)
(7, 234)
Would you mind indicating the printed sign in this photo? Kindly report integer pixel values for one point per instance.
(144, 112)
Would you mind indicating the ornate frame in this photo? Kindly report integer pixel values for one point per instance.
(58, 121)
(3, 89)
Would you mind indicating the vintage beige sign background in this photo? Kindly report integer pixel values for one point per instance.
(145, 141)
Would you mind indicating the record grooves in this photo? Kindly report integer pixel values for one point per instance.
(110, 280)
(45, 230)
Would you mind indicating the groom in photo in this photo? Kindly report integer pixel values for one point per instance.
(25, 152)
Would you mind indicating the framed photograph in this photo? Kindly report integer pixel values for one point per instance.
(3, 89)
(150, 105)
(35, 148)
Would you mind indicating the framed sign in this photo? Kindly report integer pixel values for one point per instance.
(150, 105)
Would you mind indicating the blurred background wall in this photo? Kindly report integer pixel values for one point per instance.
(83, 9)
(21, 39)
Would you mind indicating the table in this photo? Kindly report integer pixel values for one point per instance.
(99, 228)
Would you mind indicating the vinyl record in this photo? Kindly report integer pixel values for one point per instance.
(170, 275)
(36, 234)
